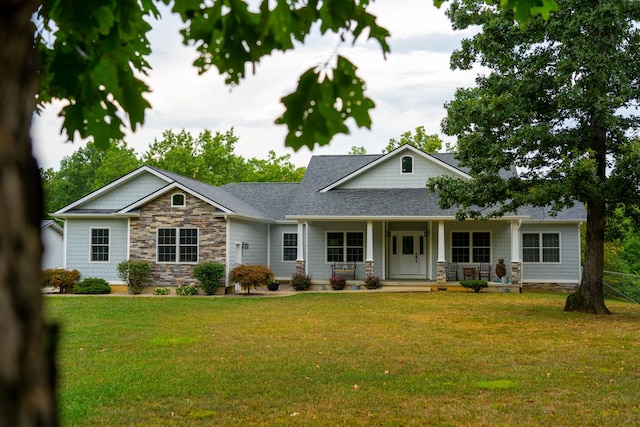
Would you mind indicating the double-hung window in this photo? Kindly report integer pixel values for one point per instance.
(471, 246)
(289, 246)
(178, 245)
(100, 245)
(541, 247)
(345, 246)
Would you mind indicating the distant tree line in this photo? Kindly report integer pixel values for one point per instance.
(208, 157)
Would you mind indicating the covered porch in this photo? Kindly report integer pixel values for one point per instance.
(406, 251)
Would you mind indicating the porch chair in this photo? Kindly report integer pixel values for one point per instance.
(452, 271)
(484, 271)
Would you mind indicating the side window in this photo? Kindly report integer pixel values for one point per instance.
(541, 247)
(289, 246)
(407, 164)
(99, 244)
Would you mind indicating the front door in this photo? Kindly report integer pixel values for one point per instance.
(408, 255)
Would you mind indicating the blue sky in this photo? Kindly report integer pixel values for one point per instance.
(409, 88)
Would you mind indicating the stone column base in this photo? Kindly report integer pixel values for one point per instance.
(442, 272)
(300, 266)
(516, 273)
(369, 268)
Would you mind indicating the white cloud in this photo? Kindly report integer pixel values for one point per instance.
(409, 88)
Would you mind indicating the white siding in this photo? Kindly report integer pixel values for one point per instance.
(388, 174)
(52, 242)
(317, 266)
(281, 269)
(568, 270)
(79, 247)
(127, 193)
(255, 234)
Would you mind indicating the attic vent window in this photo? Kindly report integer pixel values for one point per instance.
(177, 200)
(407, 164)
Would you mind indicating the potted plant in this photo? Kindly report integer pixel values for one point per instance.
(338, 282)
(273, 284)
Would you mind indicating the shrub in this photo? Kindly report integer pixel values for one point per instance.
(161, 291)
(251, 276)
(135, 274)
(476, 285)
(301, 281)
(187, 290)
(92, 286)
(59, 278)
(209, 275)
(372, 282)
(338, 282)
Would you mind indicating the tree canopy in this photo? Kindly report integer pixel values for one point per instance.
(558, 103)
(420, 140)
(208, 157)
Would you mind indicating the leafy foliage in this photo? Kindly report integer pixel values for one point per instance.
(209, 274)
(92, 286)
(187, 290)
(476, 285)
(338, 282)
(420, 140)
(558, 103)
(161, 291)
(372, 282)
(209, 157)
(300, 281)
(98, 49)
(61, 279)
(251, 276)
(135, 273)
(86, 170)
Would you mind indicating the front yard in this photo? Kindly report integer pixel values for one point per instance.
(435, 358)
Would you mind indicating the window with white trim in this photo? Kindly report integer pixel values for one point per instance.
(100, 245)
(541, 247)
(178, 200)
(471, 246)
(177, 245)
(289, 246)
(407, 164)
(345, 246)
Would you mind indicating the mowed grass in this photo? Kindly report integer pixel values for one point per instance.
(384, 359)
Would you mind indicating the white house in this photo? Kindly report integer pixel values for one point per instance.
(369, 211)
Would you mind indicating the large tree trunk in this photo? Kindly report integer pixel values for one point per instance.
(27, 367)
(589, 297)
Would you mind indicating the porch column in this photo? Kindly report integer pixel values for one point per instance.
(300, 265)
(442, 259)
(369, 263)
(516, 263)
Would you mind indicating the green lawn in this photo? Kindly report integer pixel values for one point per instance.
(441, 358)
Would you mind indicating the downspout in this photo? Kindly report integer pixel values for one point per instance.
(228, 251)
(269, 245)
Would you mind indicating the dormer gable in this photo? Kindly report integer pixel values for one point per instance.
(404, 167)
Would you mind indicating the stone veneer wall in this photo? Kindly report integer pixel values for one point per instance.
(516, 272)
(159, 214)
(441, 277)
(369, 268)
